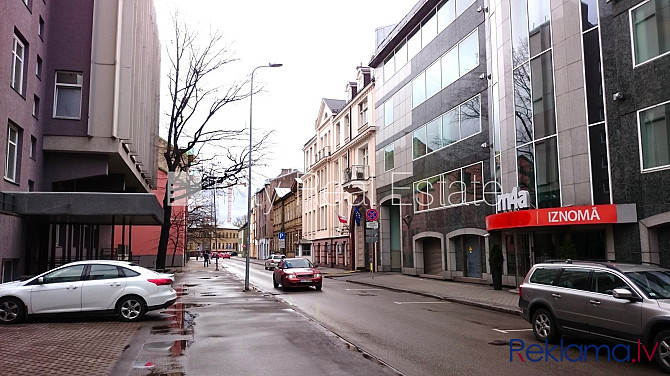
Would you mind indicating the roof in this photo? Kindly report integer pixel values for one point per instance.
(281, 192)
(335, 105)
(228, 226)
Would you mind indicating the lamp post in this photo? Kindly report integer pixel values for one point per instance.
(251, 113)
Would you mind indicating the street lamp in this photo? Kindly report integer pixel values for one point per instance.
(251, 112)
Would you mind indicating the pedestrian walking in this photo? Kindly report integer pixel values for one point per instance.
(205, 258)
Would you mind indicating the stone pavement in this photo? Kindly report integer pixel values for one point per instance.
(482, 296)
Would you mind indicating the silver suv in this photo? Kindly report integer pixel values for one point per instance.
(607, 300)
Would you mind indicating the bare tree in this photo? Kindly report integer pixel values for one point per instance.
(240, 221)
(194, 102)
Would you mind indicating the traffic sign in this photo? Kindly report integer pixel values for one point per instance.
(282, 235)
(371, 215)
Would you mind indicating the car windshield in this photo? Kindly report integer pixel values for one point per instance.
(297, 264)
(656, 284)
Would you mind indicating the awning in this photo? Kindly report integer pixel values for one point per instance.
(563, 216)
(88, 207)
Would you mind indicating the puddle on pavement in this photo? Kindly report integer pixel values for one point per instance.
(208, 294)
(205, 277)
(190, 284)
(171, 329)
(174, 348)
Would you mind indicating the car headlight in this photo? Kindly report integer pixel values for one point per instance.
(317, 275)
(290, 276)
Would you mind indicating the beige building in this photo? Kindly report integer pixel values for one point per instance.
(338, 184)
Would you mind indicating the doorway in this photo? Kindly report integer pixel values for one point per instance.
(518, 248)
(432, 256)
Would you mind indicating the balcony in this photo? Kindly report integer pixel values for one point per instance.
(322, 154)
(355, 179)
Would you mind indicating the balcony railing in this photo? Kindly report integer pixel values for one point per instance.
(323, 153)
(354, 173)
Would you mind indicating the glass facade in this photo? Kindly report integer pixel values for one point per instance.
(534, 102)
(462, 185)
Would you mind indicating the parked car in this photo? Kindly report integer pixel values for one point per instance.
(233, 253)
(273, 260)
(225, 255)
(605, 300)
(92, 286)
(297, 272)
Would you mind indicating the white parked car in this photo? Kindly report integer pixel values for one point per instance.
(272, 261)
(91, 286)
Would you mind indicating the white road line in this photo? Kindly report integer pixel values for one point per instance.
(420, 302)
(512, 330)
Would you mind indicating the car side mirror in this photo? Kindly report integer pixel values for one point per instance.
(624, 294)
(40, 280)
(316, 265)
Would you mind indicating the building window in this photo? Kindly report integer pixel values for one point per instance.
(33, 146)
(11, 161)
(388, 112)
(38, 67)
(36, 106)
(67, 98)
(650, 23)
(654, 131)
(389, 162)
(459, 123)
(40, 28)
(363, 111)
(459, 186)
(458, 61)
(18, 60)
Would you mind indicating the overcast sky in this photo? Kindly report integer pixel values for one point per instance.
(320, 44)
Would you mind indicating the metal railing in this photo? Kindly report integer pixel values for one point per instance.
(355, 172)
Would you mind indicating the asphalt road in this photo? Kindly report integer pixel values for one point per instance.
(423, 336)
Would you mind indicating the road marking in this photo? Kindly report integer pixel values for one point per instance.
(420, 302)
(512, 330)
(364, 289)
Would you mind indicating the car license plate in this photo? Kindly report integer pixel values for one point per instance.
(305, 280)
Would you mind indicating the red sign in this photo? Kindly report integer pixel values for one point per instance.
(570, 215)
(371, 215)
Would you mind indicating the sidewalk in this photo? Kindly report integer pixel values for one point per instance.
(482, 296)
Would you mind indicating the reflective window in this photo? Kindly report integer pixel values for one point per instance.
(473, 182)
(418, 90)
(599, 165)
(573, 278)
(389, 68)
(470, 117)
(539, 17)
(18, 61)
(103, 272)
(594, 85)
(589, 14)
(12, 157)
(446, 14)
(605, 283)
(522, 105)
(400, 56)
(433, 135)
(413, 43)
(451, 129)
(435, 190)
(389, 162)
(468, 53)
(454, 189)
(419, 143)
(428, 29)
(546, 173)
(519, 18)
(651, 30)
(544, 112)
(525, 156)
(68, 95)
(433, 79)
(388, 112)
(450, 70)
(421, 199)
(655, 136)
(67, 274)
(463, 5)
(544, 276)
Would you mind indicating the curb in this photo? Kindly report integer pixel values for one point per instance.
(489, 306)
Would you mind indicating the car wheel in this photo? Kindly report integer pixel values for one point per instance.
(662, 356)
(266, 267)
(11, 311)
(274, 283)
(131, 308)
(544, 326)
(318, 287)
